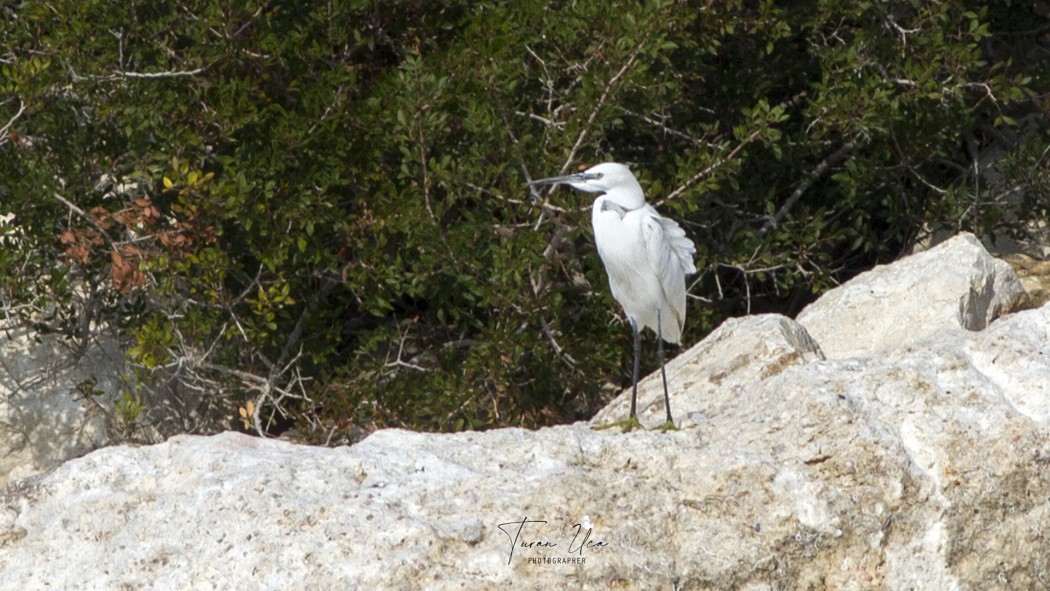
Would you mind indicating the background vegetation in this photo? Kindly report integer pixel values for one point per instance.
(317, 212)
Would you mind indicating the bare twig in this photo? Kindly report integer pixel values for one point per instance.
(541, 200)
(668, 130)
(121, 75)
(554, 344)
(423, 158)
(159, 75)
(928, 184)
(83, 214)
(613, 82)
(545, 204)
(4, 138)
(543, 120)
(399, 363)
(297, 333)
(720, 162)
(549, 81)
(265, 387)
(825, 165)
(983, 87)
(901, 31)
(793, 102)
(327, 110)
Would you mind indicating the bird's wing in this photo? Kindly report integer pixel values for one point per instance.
(670, 253)
(667, 245)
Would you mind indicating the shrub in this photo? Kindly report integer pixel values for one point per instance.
(318, 211)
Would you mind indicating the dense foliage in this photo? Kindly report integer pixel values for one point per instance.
(319, 210)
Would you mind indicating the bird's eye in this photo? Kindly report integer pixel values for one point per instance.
(599, 175)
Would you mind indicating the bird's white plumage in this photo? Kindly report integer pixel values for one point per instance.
(646, 256)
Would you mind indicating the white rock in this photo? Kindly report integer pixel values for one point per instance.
(926, 467)
(739, 353)
(58, 403)
(45, 416)
(954, 284)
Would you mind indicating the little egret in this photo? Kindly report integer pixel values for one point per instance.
(646, 256)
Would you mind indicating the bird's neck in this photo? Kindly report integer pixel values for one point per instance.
(621, 200)
(602, 205)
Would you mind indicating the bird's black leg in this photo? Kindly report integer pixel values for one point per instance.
(663, 374)
(634, 373)
(631, 423)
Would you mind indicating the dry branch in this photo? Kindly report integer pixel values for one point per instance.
(822, 169)
(4, 138)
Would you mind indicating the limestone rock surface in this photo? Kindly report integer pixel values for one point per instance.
(924, 466)
(954, 284)
(51, 401)
(740, 352)
(59, 401)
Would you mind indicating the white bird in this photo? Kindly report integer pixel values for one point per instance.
(646, 256)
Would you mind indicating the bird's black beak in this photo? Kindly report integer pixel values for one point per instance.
(569, 178)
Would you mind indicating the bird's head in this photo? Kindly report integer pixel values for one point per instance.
(612, 178)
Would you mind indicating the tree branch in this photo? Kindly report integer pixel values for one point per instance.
(80, 212)
(601, 102)
(841, 155)
(696, 177)
(4, 138)
(659, 124)
(121, 75)
(794, 101)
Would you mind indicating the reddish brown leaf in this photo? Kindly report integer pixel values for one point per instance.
(124, 275)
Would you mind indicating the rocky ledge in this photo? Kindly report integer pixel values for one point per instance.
(894, 438)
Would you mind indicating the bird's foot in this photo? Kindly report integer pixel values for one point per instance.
(665, 427)
(627, 425)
